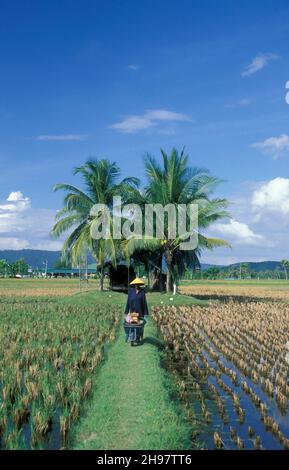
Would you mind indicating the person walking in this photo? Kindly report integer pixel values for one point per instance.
(136, 304)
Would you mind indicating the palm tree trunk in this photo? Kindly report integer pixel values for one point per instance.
(101, 277)
(286, 274)
(148, 274)
(169, 260)
(160, 274)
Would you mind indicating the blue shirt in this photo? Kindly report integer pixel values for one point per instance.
(136, 302)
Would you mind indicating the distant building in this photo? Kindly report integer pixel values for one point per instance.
(120, 277)
(63, 272)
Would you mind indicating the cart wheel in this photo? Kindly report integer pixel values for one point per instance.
(131, 343)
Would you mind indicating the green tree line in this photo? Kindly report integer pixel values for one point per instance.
(12, 269)
(242, 271)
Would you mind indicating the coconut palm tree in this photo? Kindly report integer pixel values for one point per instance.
(101, 183)
(285, 265)
(4, 267)
(174, 182)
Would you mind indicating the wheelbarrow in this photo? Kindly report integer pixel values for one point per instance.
(134, 332)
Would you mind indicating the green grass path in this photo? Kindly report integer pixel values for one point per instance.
(131, 407)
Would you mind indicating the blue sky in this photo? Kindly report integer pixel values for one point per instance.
(118, 79)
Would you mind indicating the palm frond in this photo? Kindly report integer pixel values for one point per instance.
(210, 243)
(66, 223)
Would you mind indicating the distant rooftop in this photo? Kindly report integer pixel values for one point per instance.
(69, 271)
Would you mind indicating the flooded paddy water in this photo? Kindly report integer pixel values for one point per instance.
(231, 365)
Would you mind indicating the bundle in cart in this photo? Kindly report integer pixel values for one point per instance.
(134, 328)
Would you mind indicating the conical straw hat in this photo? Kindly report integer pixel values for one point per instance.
(137, 281)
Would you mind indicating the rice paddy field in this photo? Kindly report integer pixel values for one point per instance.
(49, 351)
(231, 362)
(43, 288)
(237, 290)
(225, 345)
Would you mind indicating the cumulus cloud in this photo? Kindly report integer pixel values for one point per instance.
(262, 210)
(16, 196)
(238, 232)
(21, 226)
(272, 197)
(61, 138)
(11, 212)
(258, 63)
(274, 146)
(150, 118)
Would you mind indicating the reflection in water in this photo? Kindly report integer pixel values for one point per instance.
(234, 378)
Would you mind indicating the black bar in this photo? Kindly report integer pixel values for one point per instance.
(143, 459)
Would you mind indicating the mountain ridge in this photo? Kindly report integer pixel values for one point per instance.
(35, 258)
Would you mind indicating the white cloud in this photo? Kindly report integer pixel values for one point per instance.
(258, 63)
(272, 197)
(164, 115)
(50, 245)
(133, 124)
(133, 67)
(16, 196)
(12, 243)
(21, 226)
(61, 138)
(238, 232)
(274, 146)
(263, 208)
(15, 204)
(149, 119)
